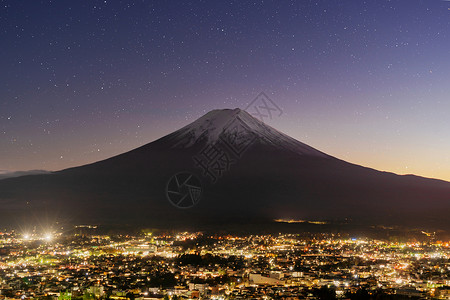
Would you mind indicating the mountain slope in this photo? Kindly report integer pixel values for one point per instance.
(253, 173)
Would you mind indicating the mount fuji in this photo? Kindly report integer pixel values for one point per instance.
(226, 167)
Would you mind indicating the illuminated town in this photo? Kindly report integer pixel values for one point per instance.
(155, 265)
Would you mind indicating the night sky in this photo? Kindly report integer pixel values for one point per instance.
(365, 81)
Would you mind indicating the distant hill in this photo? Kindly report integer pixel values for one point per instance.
(6, 174)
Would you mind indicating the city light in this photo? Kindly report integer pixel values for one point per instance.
(273, 264)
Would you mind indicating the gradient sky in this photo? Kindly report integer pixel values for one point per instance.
(365, 81)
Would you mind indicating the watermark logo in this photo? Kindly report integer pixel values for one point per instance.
(263, 108)
(184, 190)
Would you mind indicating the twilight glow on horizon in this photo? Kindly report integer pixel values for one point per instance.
(364, 81)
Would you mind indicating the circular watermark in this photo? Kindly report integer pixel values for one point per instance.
(184, 190)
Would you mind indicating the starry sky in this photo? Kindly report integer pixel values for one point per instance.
(365, 81)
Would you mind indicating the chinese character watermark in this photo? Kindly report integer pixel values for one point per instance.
(263, 108)
(215, 159)
(184, 189)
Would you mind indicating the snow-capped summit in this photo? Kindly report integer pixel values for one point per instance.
(241, 126)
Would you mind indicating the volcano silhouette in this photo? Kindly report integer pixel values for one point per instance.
(240, 170)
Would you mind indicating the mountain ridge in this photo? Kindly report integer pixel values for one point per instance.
(274, 177)
(235, 113)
